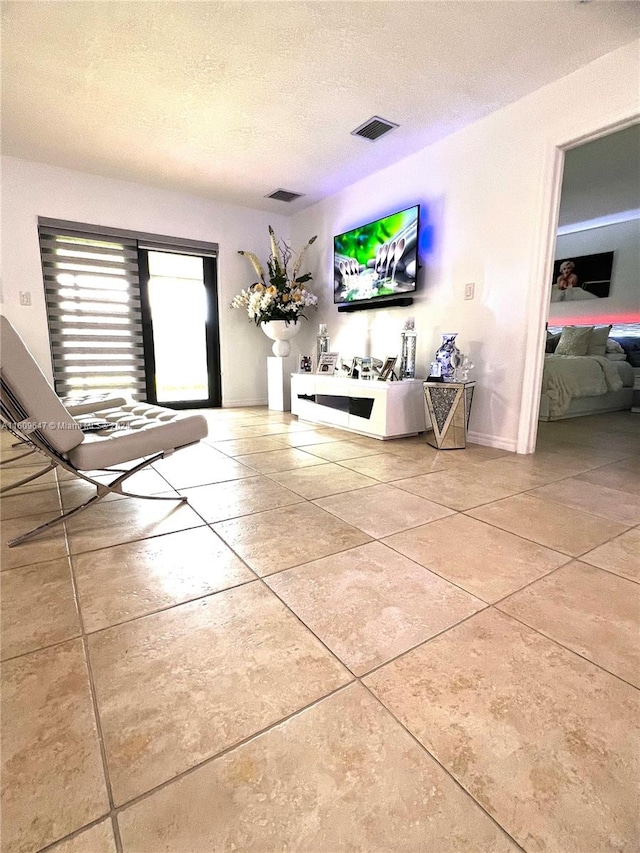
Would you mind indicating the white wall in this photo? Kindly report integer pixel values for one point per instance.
(488, 197)
(32, 189)
(623, 303)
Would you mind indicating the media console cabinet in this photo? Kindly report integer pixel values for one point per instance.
(366, 406)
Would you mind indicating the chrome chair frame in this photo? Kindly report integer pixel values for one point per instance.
(14, 416)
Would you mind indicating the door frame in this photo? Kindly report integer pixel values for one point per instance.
(540, 291)
(212, 331)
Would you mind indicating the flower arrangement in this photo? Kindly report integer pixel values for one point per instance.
(280, 294)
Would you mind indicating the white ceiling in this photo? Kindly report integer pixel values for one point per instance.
(232, 100)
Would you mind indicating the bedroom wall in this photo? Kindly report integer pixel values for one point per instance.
(488, 199)
(33, 189)
(623, 303)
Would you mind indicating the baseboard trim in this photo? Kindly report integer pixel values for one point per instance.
(240, 404)
(492, 441)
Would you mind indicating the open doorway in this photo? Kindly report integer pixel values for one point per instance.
(595, 284)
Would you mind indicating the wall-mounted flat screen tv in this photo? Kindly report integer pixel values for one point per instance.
(377, 260)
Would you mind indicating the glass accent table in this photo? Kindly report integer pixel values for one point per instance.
(449, 406)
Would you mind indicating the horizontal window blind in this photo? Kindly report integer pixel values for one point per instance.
(93, 307)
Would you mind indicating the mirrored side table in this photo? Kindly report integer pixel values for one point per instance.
(449, 406)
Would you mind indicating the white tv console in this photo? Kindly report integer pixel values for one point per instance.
(366, 406)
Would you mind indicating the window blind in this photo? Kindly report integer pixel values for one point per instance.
(93, 306)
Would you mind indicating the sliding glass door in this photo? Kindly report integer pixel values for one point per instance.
(180, 328)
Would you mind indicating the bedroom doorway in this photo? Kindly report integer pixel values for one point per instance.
(598, 219)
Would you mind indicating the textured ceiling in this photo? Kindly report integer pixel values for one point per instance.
(232, 100)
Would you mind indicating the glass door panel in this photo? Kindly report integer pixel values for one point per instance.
(180, 303)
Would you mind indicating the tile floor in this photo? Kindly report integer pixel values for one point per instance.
(339, 644)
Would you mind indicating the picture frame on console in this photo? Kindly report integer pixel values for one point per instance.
(357, 371)
(346, 366)
(305, 364)
(387, 371)
(327, 363)
(366, 367)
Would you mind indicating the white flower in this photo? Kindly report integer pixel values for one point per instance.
(280, 295)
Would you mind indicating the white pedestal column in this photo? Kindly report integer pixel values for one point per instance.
(279, 383)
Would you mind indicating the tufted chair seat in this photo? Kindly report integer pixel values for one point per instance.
(135, 430)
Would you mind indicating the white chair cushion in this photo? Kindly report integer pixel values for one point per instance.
(85, 404)
(138, 430)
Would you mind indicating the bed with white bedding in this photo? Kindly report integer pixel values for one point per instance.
(573, 386)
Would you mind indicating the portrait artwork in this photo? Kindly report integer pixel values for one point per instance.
(582, 277)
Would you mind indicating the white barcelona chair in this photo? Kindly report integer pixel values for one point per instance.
(32, 410)
(85, 405)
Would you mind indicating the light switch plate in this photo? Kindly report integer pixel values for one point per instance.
(469, 290)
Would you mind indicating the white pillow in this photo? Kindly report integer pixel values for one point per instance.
(616, 356)
(613, 345)
(574, 340)
(598, 340)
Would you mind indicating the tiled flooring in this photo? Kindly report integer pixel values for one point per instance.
(339, 644)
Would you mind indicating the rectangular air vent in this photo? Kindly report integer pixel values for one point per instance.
(374, 128)
(284, 195)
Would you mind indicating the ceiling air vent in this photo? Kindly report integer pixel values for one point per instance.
(374, 128)
(284, 195)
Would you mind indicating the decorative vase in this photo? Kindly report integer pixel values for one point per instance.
(280, 332)
(448, 356)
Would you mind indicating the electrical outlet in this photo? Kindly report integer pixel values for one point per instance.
(469, 290)
(25, 297)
